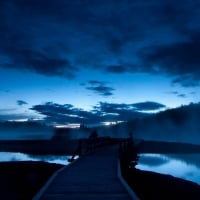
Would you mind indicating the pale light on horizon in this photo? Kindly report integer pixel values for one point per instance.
(67, 125)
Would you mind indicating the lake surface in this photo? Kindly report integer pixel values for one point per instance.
(185, 166)
(10, 156)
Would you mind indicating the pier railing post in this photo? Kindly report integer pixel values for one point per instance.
(89, 145)
(128, 153)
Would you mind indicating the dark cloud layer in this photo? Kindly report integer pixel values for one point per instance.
(57, 38)
(181, 60)
(67, 113)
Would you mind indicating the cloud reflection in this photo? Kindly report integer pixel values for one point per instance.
(172, 166)
(10, 156)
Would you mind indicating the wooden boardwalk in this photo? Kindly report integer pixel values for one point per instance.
(95, 176)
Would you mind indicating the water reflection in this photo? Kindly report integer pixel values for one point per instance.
(186, 166)
(10, 156)
(152, 160)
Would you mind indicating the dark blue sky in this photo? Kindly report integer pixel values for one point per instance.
(69, 61)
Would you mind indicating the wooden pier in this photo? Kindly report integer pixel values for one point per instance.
(94, 176)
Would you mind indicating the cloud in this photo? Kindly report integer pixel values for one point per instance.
(117, 69)
(40, 62)
(21, 102)
(192, 93)
(174, 92)
(6, 110)
(12, 116)
(60, 37)
(148, 106)
(95, 82)
(100, 88)
(66, 113)
(29, 43)
(102, 112)
(182, 95)
(116, 112)
(126, 111)
(179, 94)
(190, 80)
(112, 108)
(180, 60)
(5, 91)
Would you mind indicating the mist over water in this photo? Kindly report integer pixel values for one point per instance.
(173, 125)
(25, 131)
(15, 135)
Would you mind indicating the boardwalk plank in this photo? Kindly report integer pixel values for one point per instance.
(92, 177)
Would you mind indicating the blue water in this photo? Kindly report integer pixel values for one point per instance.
(9, 156)
(185, 166)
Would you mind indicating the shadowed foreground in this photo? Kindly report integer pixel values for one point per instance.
(21, 180)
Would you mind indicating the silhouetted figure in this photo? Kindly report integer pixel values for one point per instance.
(91, 141)
(93, 135)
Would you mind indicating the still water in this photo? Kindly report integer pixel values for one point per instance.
(9, 156)
(185, 166)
